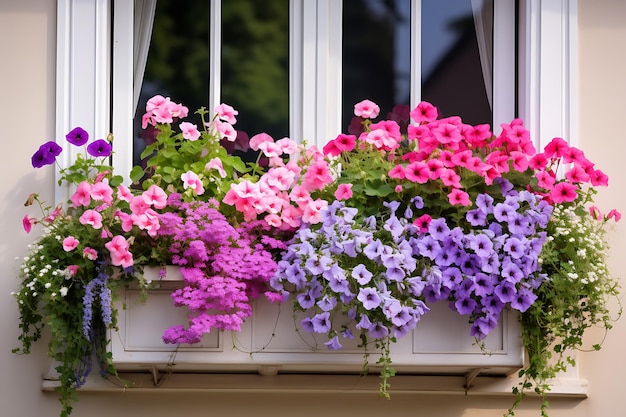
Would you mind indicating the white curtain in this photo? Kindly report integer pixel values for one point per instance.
(144, 17)
(483, 22)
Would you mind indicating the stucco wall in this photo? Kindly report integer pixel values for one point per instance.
(27, 51)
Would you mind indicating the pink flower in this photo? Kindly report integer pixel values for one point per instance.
(287, 146)
(191, 180)
(577, 174)
(90, 253)
(138, 205)
(424, 112)
(545, 179)
(82, 196)
(155, 196)
(418, 172)
(226, 130)
(72, 270)
(317, 176)
(280, 178)
(102, 192)
(614, 214)
(599, 178)
(459, 197)
(366, 109)
(227, 113)
(556, 148)
(398, 188)
(91, 217)
(422, 223)
(216, 163)
(273, 220)
(563, 192)
(270, 149)
(397, 172)
(123, 193)
(258, 139)
(70, 243)
(27, 223)
(190, 131)
(311, 212)
(344, 192)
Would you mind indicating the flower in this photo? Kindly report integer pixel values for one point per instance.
(362, 237)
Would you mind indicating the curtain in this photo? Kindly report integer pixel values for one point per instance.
(483, 22)
(142, 32)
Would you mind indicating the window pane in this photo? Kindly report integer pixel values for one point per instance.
(452, 74)
(178, 61)
(255, 64)
(376, 55)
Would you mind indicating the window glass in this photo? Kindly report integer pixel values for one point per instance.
(178, 61)
(376, 55)
(452, 71)
(255, 64)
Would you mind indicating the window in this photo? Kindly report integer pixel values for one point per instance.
(295, 68)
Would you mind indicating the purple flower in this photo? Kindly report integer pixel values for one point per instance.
(307, 325)
(77, 136)
(504, 213)
(361, 274)
(418, 202)
(369, 297)
(482, 326)
(465, 305)
(438, 228)
(364, 323)
(523, 300)
(333, 344)
(481, 244)
(485, 203)
(99, 148)
(327, 303)
(506, 291)
(378, 331)
(476, 217)
(321, 322)
(306, 300)
(46, 154)
(514, 248)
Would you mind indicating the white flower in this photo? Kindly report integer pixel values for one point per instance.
(48, 285)
(63, 291)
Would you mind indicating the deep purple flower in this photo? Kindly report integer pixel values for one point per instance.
(77, 136)
(46, 154)
(99, 148)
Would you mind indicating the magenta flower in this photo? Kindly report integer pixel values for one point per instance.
(563, 192)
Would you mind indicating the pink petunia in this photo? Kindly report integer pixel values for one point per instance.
(91, 217)
(422, 223)
(90, 253)
(366, 109)
(72, 270)
(595, 212)
(27, 223)
(138, 205)
(192, 181)
(258, 139)
(70, 243)
(563, 192)
(216, 164)
(190, 131)
(344, 192)
(424, 113)
(287, 146)
(556, 148)
(102, 192)
(418, 172)
(614, 214)
(123, 193)
(226, 130)
(317, 176)
(82, 195)
(155, 196)
(459, 197)
(577, 174)
(227, 113)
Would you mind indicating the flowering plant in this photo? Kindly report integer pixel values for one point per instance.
(362, 236)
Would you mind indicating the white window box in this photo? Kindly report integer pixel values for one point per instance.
(270, 343)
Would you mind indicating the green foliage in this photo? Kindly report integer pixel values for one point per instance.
(575, 297)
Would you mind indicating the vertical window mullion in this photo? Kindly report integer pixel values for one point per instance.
(416, 53)
(215, 53)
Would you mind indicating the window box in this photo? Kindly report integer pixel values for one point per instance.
(270, 342)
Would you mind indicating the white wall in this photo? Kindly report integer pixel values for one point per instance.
(27, 50)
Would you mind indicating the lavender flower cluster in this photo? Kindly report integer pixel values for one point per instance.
(361, 269)
(380, 272)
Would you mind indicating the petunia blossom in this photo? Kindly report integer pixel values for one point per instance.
(192, 181)
(344, 192)
(189, 131)
(77, 136)
(366, 109)
(70, 243)
(99, 148)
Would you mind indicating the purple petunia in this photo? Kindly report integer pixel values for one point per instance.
(77, 136)
(46, 154)
(99, 148)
